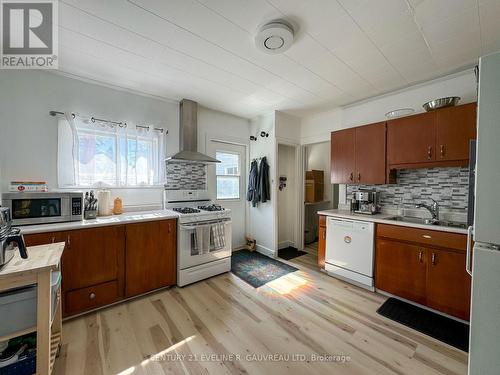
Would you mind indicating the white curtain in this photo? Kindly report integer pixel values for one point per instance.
(98, 154)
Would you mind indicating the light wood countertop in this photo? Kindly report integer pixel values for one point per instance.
(40, 258)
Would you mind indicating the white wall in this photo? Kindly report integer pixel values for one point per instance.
(317, 128)
(28, 134)
(262, 219)
(220, 126)
(287, 127)
(287, 201)
(318, 158)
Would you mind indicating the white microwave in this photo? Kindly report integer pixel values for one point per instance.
(29, 208)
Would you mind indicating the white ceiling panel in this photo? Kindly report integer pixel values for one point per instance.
(345, 50)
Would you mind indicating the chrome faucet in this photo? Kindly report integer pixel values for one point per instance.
(433, 209)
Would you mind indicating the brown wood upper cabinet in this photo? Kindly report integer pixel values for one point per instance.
(342, 156)
(440, 137)
(456, 126)
(150, 256)
(358, 155)
(411, 139)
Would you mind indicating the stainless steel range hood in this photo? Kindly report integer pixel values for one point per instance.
(188, 136)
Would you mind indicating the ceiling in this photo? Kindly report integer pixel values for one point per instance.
(345, 50)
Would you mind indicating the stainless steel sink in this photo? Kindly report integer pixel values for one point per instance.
(419, 220)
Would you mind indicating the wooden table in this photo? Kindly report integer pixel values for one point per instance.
(37, 269)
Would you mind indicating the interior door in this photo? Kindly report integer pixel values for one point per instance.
(412, 139)
(456, 126)
(449, 285)
(400, 269)
(370, 154)
(343, 156)
(227, 184)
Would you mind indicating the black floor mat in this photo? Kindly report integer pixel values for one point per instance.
(440, 327)
(290, 253)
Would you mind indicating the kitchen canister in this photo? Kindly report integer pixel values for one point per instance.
(117, 206)
(104, 198)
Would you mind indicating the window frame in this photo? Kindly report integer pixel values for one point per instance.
(120, 182)
(238, 176)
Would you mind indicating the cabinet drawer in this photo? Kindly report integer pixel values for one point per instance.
(322, 221)
(91, 297)
(423, 236)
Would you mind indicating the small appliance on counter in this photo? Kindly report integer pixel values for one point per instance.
(28, 208)
(365, 202)
(8, 237)
(104, 198)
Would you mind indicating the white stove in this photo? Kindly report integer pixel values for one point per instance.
(204, 235)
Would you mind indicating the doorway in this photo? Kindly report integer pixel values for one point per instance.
(288, 201)
(317, 158)
(227, 183)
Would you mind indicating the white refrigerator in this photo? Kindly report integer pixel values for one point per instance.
(484, 348)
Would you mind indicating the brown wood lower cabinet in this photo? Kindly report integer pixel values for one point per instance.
(322, 241)
(79, 300)
(400, 269)
(430, 272)
(448, 284)
(151, 256)
(94, 269)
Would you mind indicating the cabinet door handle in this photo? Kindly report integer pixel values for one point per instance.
(324, 235)
(420, 256)
(441, 150)
(429, 152)
(433, 259)
(359, 177)
(351, 176)
(68, 240)
(92, 295)
(53, 239)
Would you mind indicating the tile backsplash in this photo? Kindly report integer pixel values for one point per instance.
(448, 186)
(186, 176)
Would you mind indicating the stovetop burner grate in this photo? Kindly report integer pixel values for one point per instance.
(212, 207)
(186, 210)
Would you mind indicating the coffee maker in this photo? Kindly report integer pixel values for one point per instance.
(8, 237)
(365, 202)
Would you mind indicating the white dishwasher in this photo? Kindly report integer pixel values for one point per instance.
(349, 250)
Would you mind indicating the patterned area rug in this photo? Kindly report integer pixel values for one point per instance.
(257, 269)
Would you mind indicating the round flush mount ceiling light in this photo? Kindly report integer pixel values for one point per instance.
(274, 37)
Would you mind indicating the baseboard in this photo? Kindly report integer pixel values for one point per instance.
(266, 251)
(285, 244)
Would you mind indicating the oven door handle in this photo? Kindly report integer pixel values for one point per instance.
(204, 224)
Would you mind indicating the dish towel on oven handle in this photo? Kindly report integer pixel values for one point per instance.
(218, 235)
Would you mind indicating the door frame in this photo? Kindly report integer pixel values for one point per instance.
(237, 141)
(299, 159)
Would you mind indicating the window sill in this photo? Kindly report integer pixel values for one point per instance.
(146, 187)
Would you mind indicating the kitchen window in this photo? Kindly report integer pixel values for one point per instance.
(92, 154)
(228, 175)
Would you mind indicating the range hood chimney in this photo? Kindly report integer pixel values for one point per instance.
(188, 136)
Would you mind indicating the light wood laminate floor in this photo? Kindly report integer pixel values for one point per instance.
(302, 314)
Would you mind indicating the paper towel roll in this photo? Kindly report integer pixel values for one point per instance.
(104, 203)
